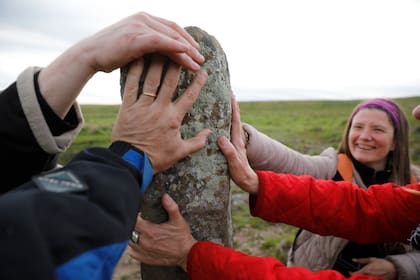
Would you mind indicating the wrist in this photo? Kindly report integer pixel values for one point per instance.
(253, 183)
(183, 263)
(67, 74)
(85, 55)
(137, 159)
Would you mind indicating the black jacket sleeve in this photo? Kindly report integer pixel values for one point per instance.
(70, 221)
(20, 152)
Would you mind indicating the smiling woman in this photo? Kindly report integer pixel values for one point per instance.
(376, 144)
(371, 138)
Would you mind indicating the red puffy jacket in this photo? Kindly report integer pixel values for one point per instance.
(387, 213)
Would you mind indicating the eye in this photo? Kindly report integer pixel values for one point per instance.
(356, 126)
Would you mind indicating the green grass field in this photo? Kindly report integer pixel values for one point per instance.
(307, 126)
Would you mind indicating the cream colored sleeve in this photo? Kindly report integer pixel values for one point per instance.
(32, 110)
(265, 153)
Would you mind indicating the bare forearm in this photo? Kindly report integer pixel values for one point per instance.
(62, 80)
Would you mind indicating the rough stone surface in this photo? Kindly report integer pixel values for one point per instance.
(200, 183)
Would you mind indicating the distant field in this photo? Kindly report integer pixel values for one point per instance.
(307, 126)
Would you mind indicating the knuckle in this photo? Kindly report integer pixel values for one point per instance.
(170, 82)
(151, 84)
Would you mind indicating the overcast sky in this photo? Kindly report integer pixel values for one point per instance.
(275, 49)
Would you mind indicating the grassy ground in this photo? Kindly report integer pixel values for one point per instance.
(307, 126)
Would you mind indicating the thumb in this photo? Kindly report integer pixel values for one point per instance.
(172, 208)
(227, 148)
(231, 154)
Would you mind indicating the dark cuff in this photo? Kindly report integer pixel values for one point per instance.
(137, 158)
(55, 123)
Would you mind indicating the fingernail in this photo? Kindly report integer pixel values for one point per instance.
(167, 199)
(222, 141)
(201, 58)
(204, 74)
(197, 44)
(195, 66)
(201, 75)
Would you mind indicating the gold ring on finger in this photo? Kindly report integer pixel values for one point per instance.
(151, 94)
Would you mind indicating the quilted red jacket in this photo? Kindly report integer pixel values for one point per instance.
(388, 213)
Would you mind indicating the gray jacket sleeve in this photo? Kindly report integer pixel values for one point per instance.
(27, 96)
(407, 265)
(265, 153)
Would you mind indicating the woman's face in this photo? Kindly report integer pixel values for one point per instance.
(371, 137)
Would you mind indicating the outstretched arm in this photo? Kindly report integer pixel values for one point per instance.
(111, 48)
(382, 213)
(41, 119)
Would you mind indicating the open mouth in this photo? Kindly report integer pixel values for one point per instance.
(365, 147)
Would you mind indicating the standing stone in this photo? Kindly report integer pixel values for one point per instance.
(199, 183)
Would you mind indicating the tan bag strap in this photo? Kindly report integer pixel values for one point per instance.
(413, 179)
(345, 167)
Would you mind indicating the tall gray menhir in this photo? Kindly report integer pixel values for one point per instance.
(200, 183)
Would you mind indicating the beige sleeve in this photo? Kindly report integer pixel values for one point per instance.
(407, 265)
(32, 110)
(265, 153)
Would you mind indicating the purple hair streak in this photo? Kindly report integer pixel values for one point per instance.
(385, 105)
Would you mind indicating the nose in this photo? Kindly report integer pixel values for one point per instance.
(366, 134)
